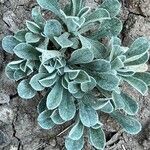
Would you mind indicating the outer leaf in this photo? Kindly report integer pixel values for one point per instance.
(26, 51)
(33, 27)
(42, 105)
(8, 43)
(20, 35)
(44, 120)
(107, 81)
(51, 5)
(123, 101)
(77, 131)
(81, 56)
(52, 28)
(56, 117)
(112, 6)
(99, 14)
(97, 138)
(138, 84)
(117, 63)
(55, 97)
(129, 124)
(83, 12)
(25, 90)
(74, 145)
(99, 65)
(108, 108)
(34, 82)
(110, 27)
(31, 37)
(88, 115)
(37, 16)
(140, 46)
(67, 108)
(144, 76)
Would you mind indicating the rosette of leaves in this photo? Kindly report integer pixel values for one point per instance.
(79, 61)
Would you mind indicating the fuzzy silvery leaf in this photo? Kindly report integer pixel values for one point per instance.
(94, 102)
(81, 56)
(123, 101)
(144, 76)
(88, 85)
(37, 16)
(107, 81)
(19, 74)
(8, 43)
(42, 105)
(125, 73)
(73, 87)
(67, 108)
(55, 96)
(45, 121)
(31, 37)
(138, 68)
(116, 51)
(97, 138)
(25, 90)
(99, 65)
(77, 131)
(109, 28)
(74, 145)
(20, 35)
(79, 94)
(34, 82)
(117, 64)
(63, 40)
(56, 117)
(83, 12)
(48, 54)
(108, 108)
(112, 6)
(99, 14)
(77, 5)
(88, 115)
(48, 81)
(128, 123)
(52, 28)
(114, 41)
(138, 84)
(26, 51)
(139, 47)
(85, 42)
(98, 49)
(33, 27)
(43, 44)
(65, 82)
(142, 60)
(51, 5)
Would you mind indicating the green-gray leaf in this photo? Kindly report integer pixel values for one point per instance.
(88, 115)
(25, 90)
(8, 43)
(123, 101)
(129, 124)
(44, 120)
(26, 51)
(97, 138)
(31, 37)
(55, 97)
(67, 108)
(74, 145)
(81, 56)
(77, 131)
(112, 6)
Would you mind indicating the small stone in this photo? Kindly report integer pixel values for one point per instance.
(3, 139)
(4, 98)
(53, 142)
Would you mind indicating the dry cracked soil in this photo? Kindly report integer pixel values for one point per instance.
(18, 126)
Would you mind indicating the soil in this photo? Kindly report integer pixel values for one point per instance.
(18, 126)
